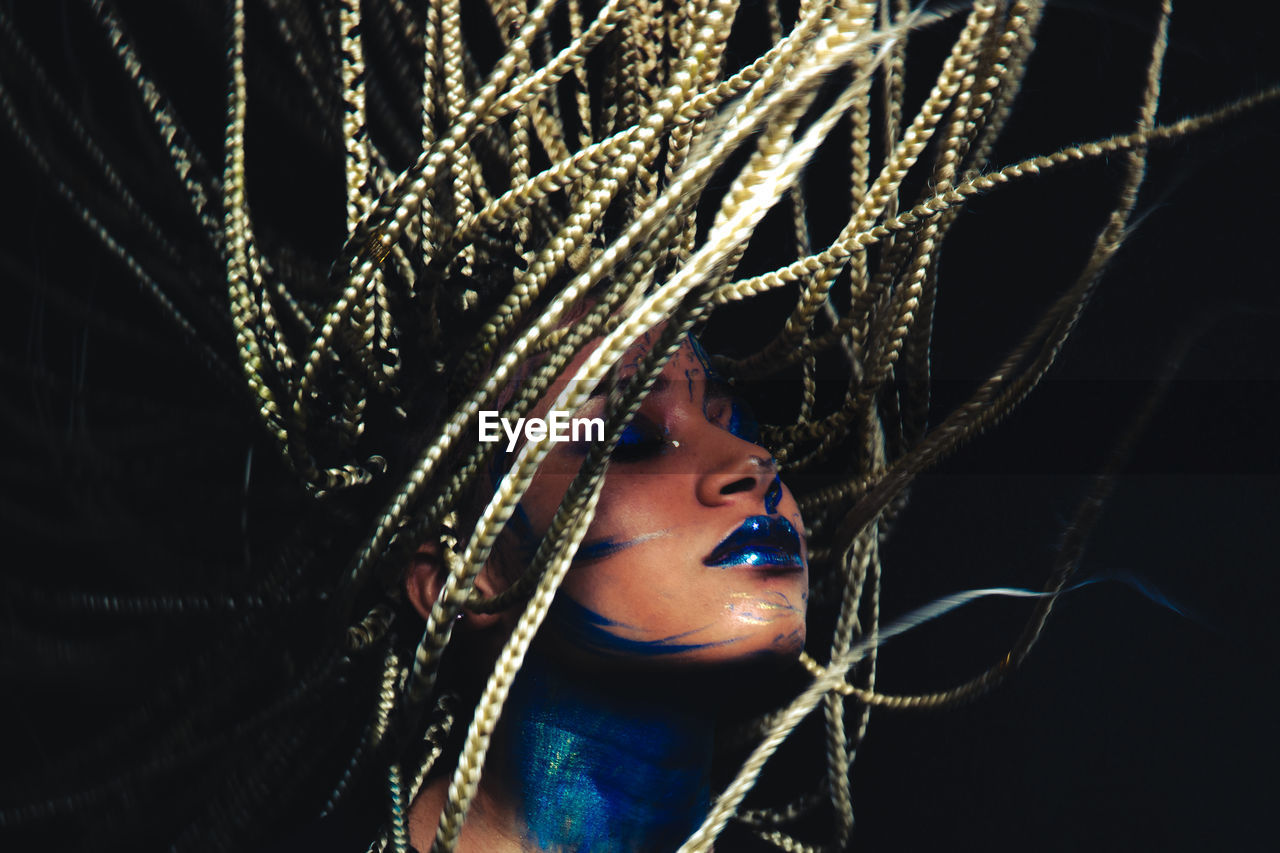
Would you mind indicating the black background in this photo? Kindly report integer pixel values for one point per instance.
(1133, 725)
(1136, 724)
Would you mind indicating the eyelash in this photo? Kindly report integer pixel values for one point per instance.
(735, 416)
(640, 440)
(643, 439)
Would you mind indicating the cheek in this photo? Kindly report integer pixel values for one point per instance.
(639, 508)
(647, 591)
(543, 497)
(767, 607)
(660, 593)
(655, 587)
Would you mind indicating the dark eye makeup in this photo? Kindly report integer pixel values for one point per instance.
(644, 438)
(726, 410)
(641, 439)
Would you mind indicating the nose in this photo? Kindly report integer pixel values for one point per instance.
(745, 475)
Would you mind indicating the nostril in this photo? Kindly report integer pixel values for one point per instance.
(743, 484)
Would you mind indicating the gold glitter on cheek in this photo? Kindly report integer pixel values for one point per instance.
(760, 609)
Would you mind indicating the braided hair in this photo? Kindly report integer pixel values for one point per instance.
(290, 255)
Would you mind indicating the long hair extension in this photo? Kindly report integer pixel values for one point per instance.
(281, 254)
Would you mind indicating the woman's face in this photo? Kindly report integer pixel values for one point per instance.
(696, 551)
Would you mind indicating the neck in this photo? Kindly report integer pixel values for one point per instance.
(604, 766)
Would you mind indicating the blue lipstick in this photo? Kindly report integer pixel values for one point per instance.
(761, 540)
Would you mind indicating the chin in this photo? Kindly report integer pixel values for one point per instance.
(784, 643)
(778, 643)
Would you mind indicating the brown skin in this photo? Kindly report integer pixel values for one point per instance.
(669, 501)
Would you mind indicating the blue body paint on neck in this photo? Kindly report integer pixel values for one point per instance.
(601, 772)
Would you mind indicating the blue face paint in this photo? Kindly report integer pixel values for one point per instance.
(736, 416)
(703, 358)
(617, 757)
(584, 628)
(641, 439)
(607, 547)
(599, 550)
(761, 540)
(773, 496)
(742, 422)
(600, 773)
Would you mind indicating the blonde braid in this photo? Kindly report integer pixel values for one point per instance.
(185, 157)
(509, 207)
(904, 157)
(466, 777)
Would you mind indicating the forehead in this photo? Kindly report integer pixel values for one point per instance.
(688, 366)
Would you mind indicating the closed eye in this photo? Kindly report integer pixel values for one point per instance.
(730, 412)
(641, 439)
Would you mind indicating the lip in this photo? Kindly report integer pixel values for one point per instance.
(761, 541)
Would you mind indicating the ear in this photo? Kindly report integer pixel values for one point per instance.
(425, 578)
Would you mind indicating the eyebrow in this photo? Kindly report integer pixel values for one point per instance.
(660, 384)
